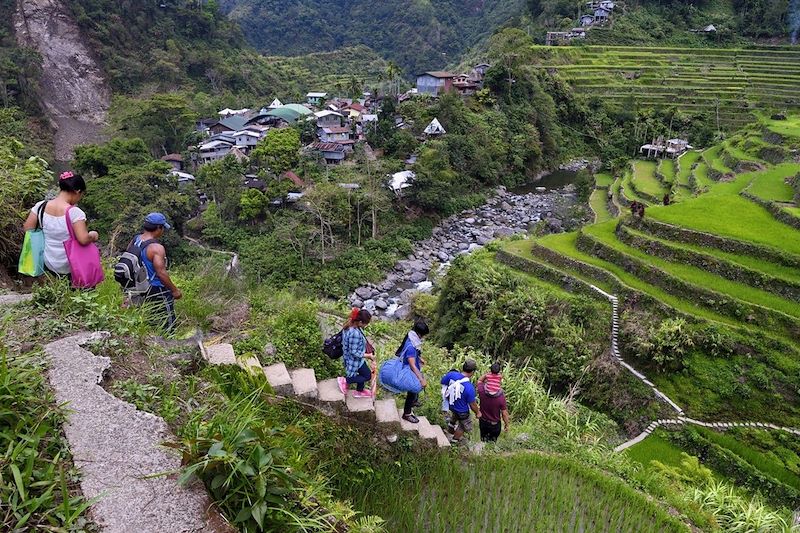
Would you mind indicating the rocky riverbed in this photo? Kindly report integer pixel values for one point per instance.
(504, 215)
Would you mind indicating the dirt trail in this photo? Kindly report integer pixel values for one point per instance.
(73, 91)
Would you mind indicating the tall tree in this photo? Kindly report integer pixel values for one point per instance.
(279, 151)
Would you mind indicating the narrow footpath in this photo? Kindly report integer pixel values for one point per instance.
(118, 451)
(681, 419)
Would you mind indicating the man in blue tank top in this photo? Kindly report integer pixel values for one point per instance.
(163, 292)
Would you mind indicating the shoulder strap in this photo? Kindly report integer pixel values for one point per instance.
(70, 229)
(40, 215)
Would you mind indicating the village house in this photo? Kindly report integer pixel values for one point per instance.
(335, 134)
(481, 68)
(204, 124)
(434, 83)
(214, 151)
(184, 178)
(316, 98)
(601, 14)
(671, 148)
(246, 140)
(328, 119)
(332, 153)
(434, 129)
(227, 112)
(275, 104)
(298, 183)
(229, 124)
(174, 160)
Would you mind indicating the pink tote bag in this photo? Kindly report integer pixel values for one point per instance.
(84, 261)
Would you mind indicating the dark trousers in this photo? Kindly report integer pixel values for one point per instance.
(411, 399)
(163, 304)
(489, 431)
(360, 379)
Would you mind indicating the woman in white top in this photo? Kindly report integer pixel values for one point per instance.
(54, 222)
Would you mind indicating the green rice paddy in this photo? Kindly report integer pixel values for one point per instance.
(701, 278)
(685, 164)
(599, 204)
(770, 186)
(526, 492)
(645, 180)
(603, 179)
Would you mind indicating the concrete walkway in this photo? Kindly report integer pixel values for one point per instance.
(117, 448)
(681, 419)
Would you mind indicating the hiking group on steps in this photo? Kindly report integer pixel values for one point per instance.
(59, 244)
(403, 374)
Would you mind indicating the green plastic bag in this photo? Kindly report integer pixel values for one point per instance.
(31, 260)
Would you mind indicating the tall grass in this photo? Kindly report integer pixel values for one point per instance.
(37, 490)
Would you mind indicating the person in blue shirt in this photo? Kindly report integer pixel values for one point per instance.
(459, 395)
(356, 350)
(411, 353)
(163, 292)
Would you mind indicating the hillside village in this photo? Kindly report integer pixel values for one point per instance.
(338, 125)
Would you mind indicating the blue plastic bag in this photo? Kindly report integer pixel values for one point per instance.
(398, 378)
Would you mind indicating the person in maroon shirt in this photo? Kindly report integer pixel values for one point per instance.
(493, 405)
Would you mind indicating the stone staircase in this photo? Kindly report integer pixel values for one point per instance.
(327, 397)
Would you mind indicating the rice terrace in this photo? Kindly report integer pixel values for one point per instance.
(385, 267)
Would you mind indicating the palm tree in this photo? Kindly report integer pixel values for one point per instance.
(393, 74)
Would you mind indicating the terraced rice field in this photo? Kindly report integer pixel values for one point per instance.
(527, 492)
(645, 182)
(733, 83)
(723, 212)
(771, 187)
(599, 204)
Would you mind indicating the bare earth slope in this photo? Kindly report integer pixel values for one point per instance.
(73, 91)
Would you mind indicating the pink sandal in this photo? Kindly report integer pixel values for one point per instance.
(342, 385)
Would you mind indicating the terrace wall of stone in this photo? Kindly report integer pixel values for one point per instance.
(775, 209)
(720, 267)
(715, 301)
(573, 284)
(677, 233)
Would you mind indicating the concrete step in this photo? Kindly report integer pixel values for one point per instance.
(405, 425)
(220, 354)
(280, 380)
(441, 439)
(304, 382)
(329, 391)
(386, 415)
(426, 431)
(362, 408)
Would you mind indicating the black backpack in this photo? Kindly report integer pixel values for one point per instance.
(332, 346)
(130, 272)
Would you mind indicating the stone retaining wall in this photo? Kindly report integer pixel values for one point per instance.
(774, 209)
(710, 299)
(676, 233)
(731, 271)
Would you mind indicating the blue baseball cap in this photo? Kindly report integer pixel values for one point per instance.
(158, 219)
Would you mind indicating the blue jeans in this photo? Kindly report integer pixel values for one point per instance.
(360, 379)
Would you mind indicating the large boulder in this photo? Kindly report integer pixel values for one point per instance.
(416, 277)
(364, 292)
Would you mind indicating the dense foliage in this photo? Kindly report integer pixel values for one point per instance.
(417, 35)
(191, 45)
(23, 182)
(493, 309)
(669, 22)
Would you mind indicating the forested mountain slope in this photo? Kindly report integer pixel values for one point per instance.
(416, 34)
(635, 22)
